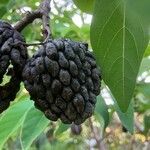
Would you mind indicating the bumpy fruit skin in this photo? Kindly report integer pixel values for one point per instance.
(63, 80)
(13, 56)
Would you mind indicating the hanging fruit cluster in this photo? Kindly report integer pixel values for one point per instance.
(13, 56)
(63, 80)
(62, 77)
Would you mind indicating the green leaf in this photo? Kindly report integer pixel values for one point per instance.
(4, 2)
(5, 5)
(142, 97)
(102, 109)
(61, 129)
(3, 10)
(34, 123)
(126, 118)
(144, 88)
(147, 52)
(145, 65)
(11, 4)
(31, 3)
(59, 145)
(12, 119)
(119, 40)
(140, 8)
(85, 5)
(101, 120)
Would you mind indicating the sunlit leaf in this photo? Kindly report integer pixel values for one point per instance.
(12, 119)
(34, 123)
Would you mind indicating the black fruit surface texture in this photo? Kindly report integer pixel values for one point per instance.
(13, 56)
(63, 80)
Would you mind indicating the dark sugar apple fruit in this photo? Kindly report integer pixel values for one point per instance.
(13, 56)
(63, 80)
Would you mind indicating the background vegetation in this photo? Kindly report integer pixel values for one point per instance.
(24, 127)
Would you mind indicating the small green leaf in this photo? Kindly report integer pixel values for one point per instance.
(34, 123)
(142, 97)
(102, 109)
(12, 119)
(61, 129)
(144, 88)
(119, 39)
(85, 5)
(145, 65)
(100, 119)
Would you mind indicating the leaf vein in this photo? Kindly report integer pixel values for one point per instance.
(100, 34)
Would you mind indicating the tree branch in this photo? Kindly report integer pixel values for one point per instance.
(43, 13)
(29, 18)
